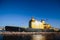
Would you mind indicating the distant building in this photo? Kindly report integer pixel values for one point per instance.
(38, 24)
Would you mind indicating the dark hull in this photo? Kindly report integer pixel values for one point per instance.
(19, 29)
(13, 28)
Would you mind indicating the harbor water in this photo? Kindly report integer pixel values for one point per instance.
(31, 37)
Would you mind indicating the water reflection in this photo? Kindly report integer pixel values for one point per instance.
(38, 37)
(1, 37)
(20, 37)
(32, 37)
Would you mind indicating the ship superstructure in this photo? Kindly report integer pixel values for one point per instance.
(38, 24)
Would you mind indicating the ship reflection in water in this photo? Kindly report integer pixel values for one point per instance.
(32, 37)
(38, 37)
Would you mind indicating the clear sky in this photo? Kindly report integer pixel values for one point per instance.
(19, 12)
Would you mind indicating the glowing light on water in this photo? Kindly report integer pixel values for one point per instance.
(38, 37)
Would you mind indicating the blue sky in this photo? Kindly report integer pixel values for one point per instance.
(19, 12)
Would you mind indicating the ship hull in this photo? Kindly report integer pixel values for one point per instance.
(19, 29)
